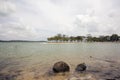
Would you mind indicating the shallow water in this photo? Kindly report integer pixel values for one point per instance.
(34, 60)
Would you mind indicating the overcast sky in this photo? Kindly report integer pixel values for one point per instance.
(39, 19)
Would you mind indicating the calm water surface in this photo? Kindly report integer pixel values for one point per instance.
(36, 57)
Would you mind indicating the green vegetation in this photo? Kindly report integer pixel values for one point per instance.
(64, 38)
(88, 38)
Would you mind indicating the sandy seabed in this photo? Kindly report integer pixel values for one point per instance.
(97, 69)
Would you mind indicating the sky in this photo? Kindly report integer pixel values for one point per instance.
(39, 19)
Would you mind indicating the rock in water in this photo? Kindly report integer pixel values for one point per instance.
(81, 67)
(61, 67)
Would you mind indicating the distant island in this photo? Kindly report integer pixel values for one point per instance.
(88, 38)
(60, 38)
(20, 41)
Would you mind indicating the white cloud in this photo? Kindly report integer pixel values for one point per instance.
(21, 19)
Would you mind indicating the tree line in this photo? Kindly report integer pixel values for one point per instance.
(88, 38)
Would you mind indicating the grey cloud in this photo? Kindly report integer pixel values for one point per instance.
(6, 8)
(15, 31)
(57, 1)
(93, 27)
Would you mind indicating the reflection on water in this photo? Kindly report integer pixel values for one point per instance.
(34, 60)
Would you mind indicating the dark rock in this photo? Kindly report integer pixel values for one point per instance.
(81, 67)
(93, 71)
(7, 77)
(117, 77)
(61, 67)
(110, 79)
(108, 73)
(91, 57)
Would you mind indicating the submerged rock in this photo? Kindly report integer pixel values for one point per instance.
(81, 67)
(61, 67)
(110, 79)
(85, 77)
(73, 78)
